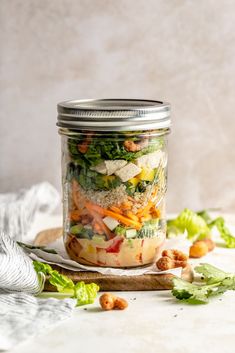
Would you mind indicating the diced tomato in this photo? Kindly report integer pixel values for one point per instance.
(115, 246)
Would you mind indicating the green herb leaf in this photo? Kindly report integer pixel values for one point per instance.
(191, 293)
(212, 274)
(215, 282)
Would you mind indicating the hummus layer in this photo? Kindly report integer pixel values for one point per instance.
(117, 252)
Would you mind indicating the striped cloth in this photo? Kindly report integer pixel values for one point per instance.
(22, 314)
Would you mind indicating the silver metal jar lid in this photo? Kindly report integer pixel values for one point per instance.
(113, 114)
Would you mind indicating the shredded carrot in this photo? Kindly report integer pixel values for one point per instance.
(104, 212)
(146, 218)
(154, 193)
(146, 209)
(115, 209)
(75, 215)
(155, 212)
(132, 216)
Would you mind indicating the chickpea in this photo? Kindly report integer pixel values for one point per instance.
(109, 301)
(175, 254)
(120, 304)
(198, 249)
(210, 244)
(166, 263)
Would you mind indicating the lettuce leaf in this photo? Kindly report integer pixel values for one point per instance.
(225, 233)
(198, 226)
(84, 293)
(189, 221)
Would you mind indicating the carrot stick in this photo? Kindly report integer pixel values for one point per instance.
(118, 217)
(132, 216)
(115, 209)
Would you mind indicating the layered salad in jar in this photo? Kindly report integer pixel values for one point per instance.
(114, 189)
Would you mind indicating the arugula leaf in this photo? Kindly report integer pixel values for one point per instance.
(84, 293)
(215, 282)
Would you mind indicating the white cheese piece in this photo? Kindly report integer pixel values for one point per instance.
(129, 171)
(114, 165)
(100, 168)
(150, 160)
(110, 222)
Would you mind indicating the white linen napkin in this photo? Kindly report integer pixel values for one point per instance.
(17, 210)
(22, 314)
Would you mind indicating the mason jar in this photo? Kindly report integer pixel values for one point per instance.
(114, 177)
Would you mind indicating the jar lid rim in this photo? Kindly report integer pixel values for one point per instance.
(114, 114)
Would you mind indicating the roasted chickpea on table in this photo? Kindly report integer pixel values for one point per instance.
(109, 301)
(201, 247)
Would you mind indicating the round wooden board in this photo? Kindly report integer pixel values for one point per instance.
(47, 236)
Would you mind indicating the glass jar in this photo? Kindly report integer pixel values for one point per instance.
(114, 176)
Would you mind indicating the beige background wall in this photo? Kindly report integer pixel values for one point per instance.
(174, 50)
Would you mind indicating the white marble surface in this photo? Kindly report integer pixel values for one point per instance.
(154, 321)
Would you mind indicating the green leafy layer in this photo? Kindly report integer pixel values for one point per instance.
(108, 148)
(99, 150)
